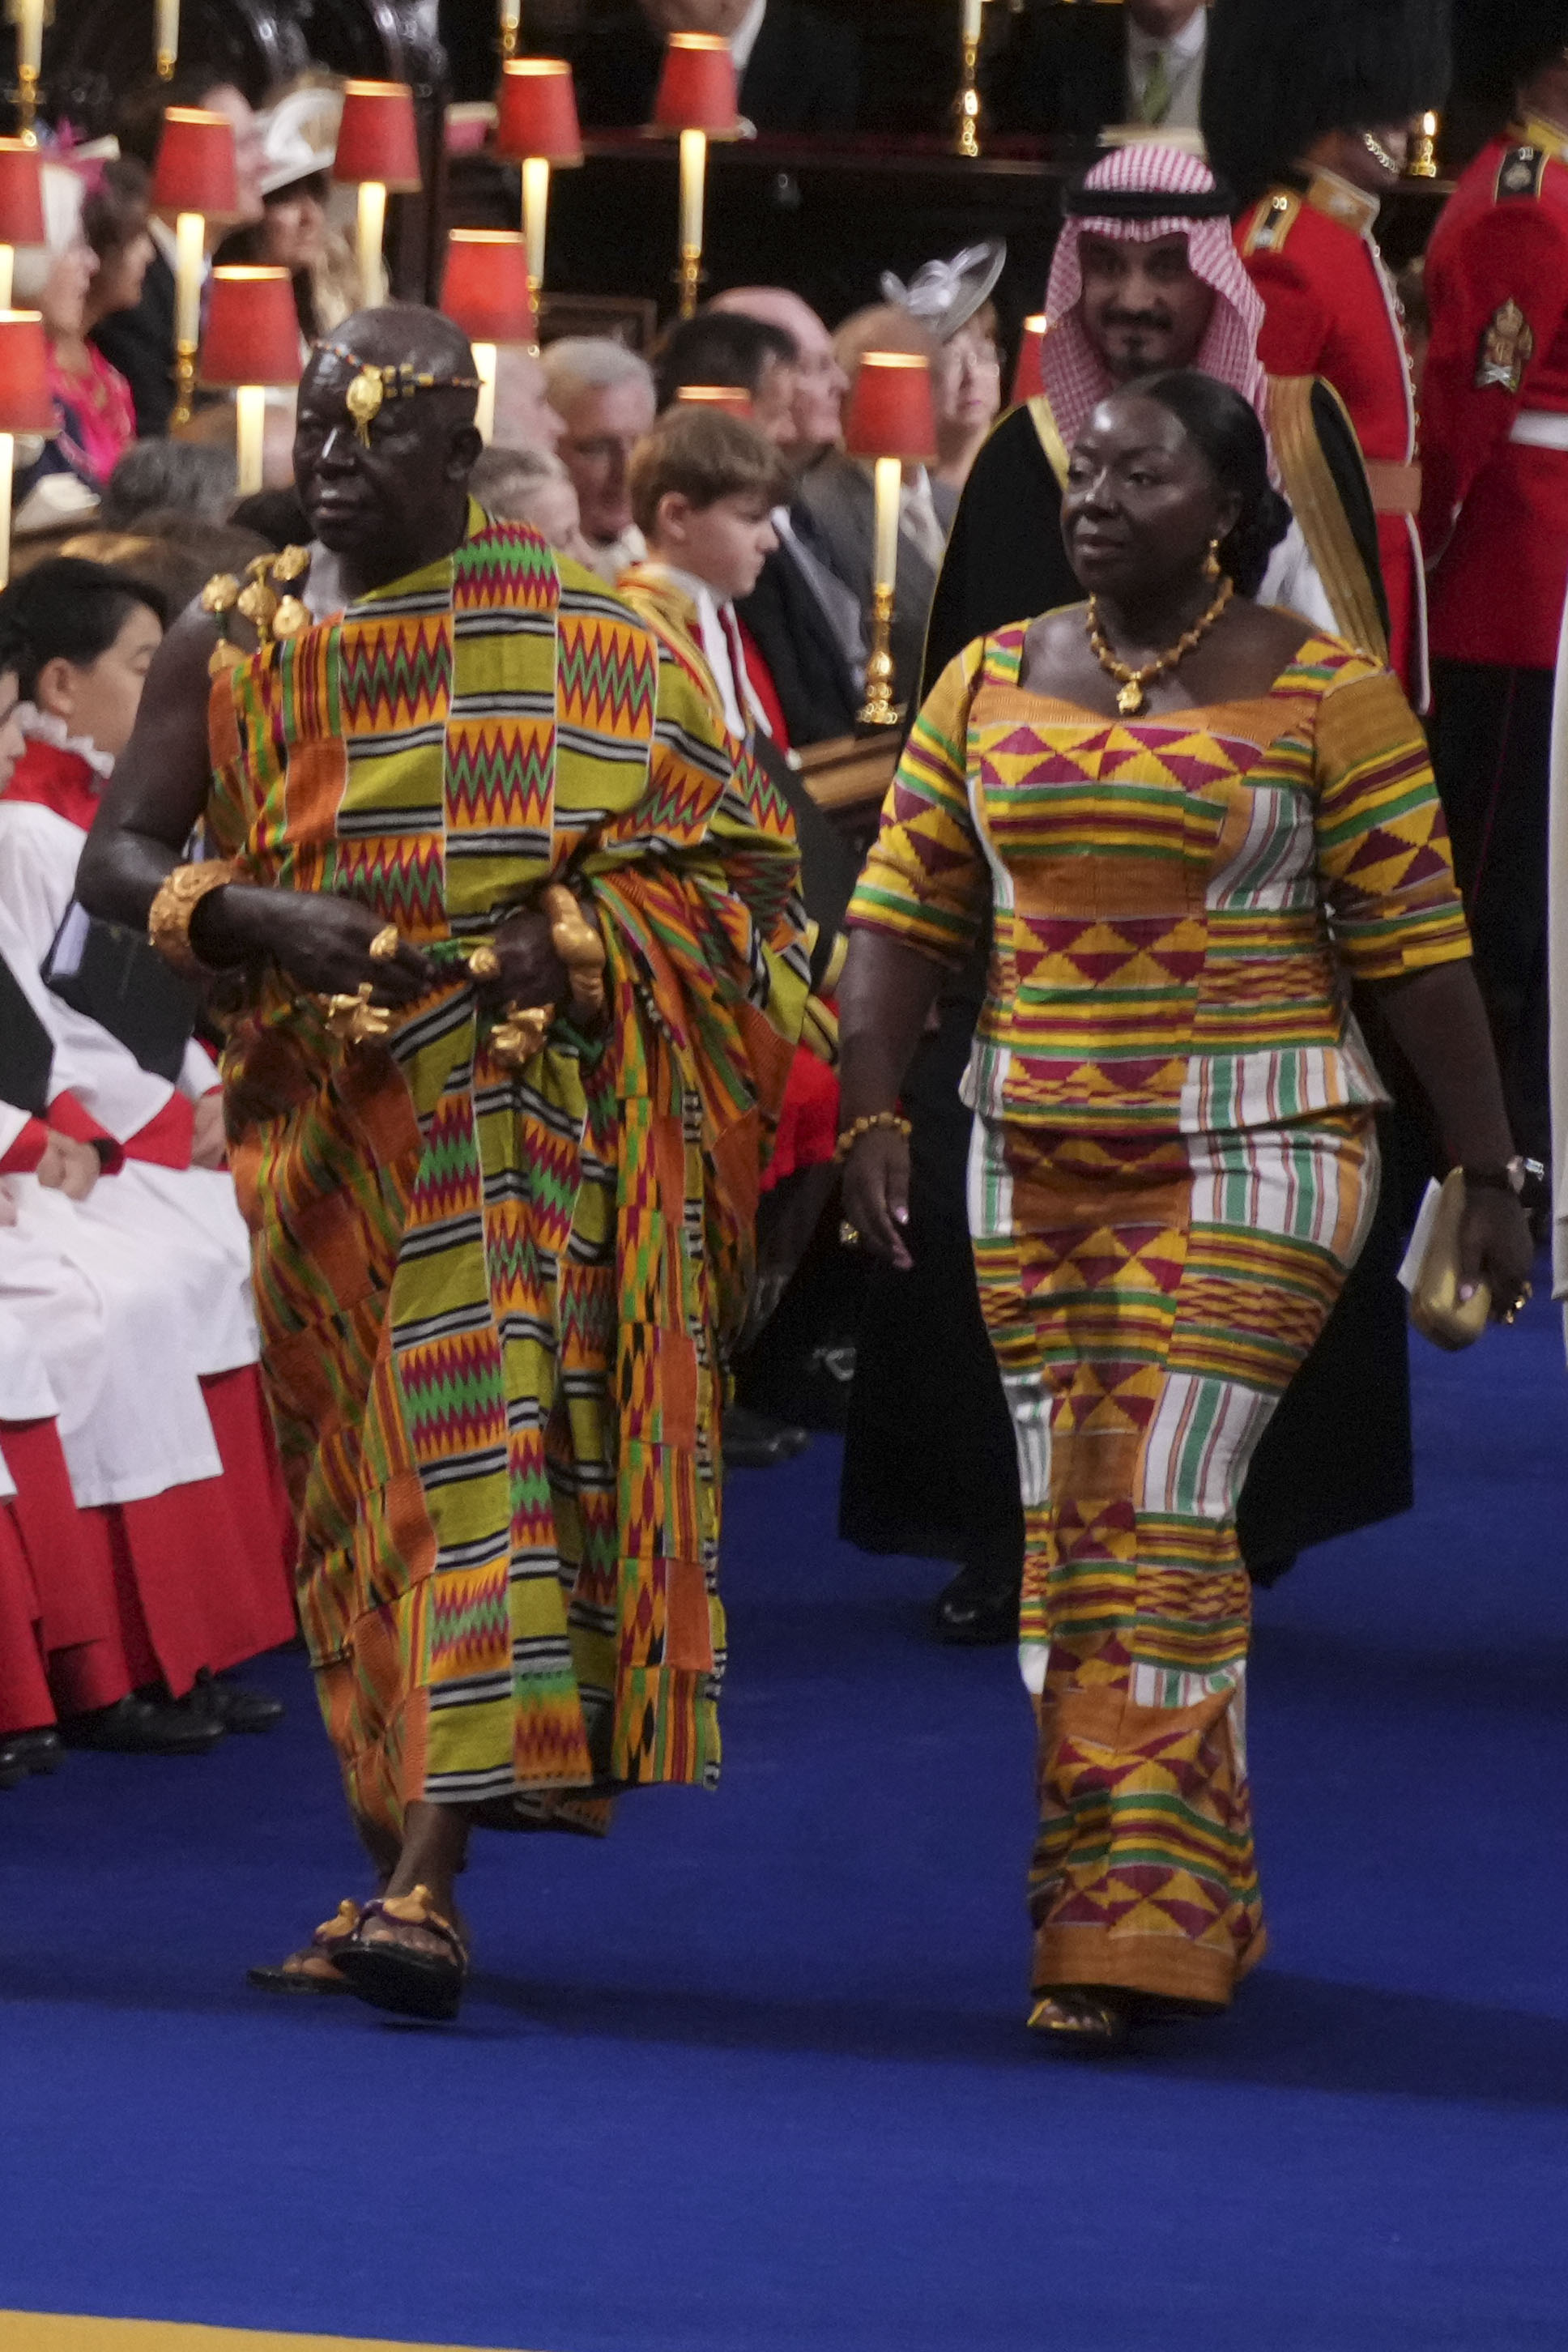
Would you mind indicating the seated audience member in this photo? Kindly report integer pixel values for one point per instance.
(605, 394)
(799, 70)
(115, 215)
(838, 491)
(952, 299)
(806, 619)
(1066, 72)
(532, 487)
(524, 418)
(725, 347)
(141, 342)
(194, 481)
(65, 472)
(299, 136)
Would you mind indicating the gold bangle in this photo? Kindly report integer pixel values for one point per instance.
(580, 948)
(178, 896)
(875, 1118)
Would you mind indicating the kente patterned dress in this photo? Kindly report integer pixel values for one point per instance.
(1173, 1166)
(495, 1303)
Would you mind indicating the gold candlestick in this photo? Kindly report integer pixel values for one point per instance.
(510, 26)
(694, 176)
(29, 16)
(966, 106)
(1422, 163)
(880, 709)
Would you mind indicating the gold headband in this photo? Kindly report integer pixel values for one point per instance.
(373, 386)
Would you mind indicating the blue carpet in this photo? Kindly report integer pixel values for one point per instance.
(752, 2076)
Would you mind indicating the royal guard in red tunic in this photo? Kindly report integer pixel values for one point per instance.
(1495, 522)
(1311, 166)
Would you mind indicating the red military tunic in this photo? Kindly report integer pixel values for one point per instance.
(1495, 405)
(1331, 311)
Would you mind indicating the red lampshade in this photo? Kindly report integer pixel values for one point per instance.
(378, 138)
(21, 196)
(252, 330)
(697, 89)
(889, 412)
(27, 405)
(1027, 377)
(536, 111)
(485, 290)
(195, 171)
(732, 398)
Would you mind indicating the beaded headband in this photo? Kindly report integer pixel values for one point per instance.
(373, 386)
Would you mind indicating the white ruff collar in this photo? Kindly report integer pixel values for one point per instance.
(43, 726)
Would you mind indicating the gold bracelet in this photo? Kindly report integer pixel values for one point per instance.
(851, 1135)
(178, 896)
(580, 948)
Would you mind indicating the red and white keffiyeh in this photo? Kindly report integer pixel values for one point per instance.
(1076, 377)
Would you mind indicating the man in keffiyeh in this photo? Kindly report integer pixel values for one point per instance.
(1145, 276)
(515, 962)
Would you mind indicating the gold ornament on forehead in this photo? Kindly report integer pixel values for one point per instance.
(363, 399)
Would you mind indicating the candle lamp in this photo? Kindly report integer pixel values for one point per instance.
(1422, 162)
(1028, 379)
(251, 340)
(166, 39)
(486, 291)
(29, 16)
(510, 27)
(966, 105)
(378, 149)
(890, 420)
(728, 399)
(698, 97)
(21, 207)
(536, 127)
(192, 183)
(27, 405)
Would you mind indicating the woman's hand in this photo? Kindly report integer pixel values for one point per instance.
(1496, 1248)
(876, 1194)
(321, 942)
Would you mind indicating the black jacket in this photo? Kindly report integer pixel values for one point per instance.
(1063, 74)
(141, 345)
(803, 77)
(815, 690)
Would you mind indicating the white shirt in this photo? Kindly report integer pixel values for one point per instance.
(721, 649)
(1183, 56)
(743, 39)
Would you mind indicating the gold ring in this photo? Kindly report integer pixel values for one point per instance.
(385, 944)
(484, 964)
(849, 1235)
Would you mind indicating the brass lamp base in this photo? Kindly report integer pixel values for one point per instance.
(1421, 162)
(966, 105)
(689, 278)
(27, 105)
(184, 382)
(878, 708)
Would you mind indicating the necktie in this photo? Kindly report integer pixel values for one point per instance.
(1157, 90)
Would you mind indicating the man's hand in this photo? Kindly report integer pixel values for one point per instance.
(209, 1144)
(69, 1166)
(321, 942)
(532, 973)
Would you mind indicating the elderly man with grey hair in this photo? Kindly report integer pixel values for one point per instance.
(605, 394)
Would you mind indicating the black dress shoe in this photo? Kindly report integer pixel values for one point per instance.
(23, 1753)
(142, 1727)
(229, 1705)
(979, 1610)
(755, 1440)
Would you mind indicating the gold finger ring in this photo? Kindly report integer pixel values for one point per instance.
(484, 964)
(849, 1235)
(385, 944)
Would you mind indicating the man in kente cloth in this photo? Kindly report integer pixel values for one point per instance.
(1146, 276)
(514, 962)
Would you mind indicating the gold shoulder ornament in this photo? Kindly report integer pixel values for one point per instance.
(1521, 173)
(1272, 221)
(1507, 346)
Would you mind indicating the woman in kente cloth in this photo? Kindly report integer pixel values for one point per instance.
(1145, 275)
(1189, 817)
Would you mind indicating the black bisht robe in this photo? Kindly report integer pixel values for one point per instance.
(929, 1467)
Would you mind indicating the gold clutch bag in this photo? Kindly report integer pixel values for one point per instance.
(1435, 1308)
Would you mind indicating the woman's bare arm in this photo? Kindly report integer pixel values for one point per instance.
(884, 998)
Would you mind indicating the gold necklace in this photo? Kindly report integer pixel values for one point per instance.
(1134, 683)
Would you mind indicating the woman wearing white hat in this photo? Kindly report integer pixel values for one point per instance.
(300, 137)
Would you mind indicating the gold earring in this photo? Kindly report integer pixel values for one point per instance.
(1211, 562)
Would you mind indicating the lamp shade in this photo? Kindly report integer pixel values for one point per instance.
(1028, 379)
(378, 138)
(21, 196)
(696, 90)
(27, 403)
(536, 111)
(889, 412)
(731, 399)
(485, 290)
(195, 171)
(252, 331)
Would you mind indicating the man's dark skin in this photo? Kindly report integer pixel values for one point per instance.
(1144, 307)
(384, 511)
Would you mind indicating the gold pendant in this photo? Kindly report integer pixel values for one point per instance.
(1131, 699)
(290, 619)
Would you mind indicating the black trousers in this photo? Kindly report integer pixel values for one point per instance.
(1491, 747)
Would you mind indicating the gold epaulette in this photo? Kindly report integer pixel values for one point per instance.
(1272, 221)
(1521, 172)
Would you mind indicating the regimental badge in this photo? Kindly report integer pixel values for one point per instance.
(1273, 223)
(1507, 349)
(1521, 172)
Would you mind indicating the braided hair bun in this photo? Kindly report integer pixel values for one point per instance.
(1226, 428)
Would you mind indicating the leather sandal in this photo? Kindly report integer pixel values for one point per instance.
(1077, 2019)
(389, 1975)
(313, 1968)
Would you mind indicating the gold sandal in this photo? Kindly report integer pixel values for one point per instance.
(1075, 2019)
(312, 1967)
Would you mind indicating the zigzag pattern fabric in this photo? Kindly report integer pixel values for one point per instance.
(495, 1303)
(1174, 1166)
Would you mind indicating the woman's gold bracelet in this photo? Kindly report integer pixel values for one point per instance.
(851, 1135)
(169, 916)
